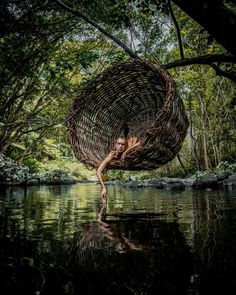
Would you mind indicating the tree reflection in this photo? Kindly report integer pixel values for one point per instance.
(214, 243)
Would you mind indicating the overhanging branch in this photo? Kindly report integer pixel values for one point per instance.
(97, 26)
(211, 60)
(202, 60)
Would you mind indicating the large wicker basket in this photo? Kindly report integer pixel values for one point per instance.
(134, 93)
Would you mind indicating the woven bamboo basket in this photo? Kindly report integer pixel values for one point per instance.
(134, 93)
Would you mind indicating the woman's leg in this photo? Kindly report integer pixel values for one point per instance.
(132, 141)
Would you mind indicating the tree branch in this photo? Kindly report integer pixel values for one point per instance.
(220, 72)
(208, 59)
(181, 50)
(201, 59)
(97, 26)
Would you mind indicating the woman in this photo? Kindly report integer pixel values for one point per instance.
(122, 146)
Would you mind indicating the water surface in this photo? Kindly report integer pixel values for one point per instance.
(60, 240)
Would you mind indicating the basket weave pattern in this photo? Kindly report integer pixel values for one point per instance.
(140, 94)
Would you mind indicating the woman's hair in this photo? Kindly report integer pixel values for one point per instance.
(126, 130)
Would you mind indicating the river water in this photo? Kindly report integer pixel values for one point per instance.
(60, 240)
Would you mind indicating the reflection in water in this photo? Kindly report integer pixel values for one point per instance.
(214, 241)
(130, 256)
(113, 232)
(57, 240)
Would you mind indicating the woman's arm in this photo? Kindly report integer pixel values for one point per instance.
(99, 171)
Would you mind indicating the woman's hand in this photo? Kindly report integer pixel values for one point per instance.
(104, 195)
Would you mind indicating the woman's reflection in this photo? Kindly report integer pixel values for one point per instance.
(113, 232)
(155, 258)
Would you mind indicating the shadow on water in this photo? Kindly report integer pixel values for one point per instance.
(130, 254)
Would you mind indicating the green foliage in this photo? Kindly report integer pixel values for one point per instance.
(47, 54)
(199, 174)
(225, 166)
(33, 164)
(70, 165)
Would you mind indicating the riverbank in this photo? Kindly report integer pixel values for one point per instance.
(12, 174)
(225, 180)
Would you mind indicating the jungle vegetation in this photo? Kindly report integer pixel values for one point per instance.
(50, 48)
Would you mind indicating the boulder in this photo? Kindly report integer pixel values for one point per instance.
(188, 182)
(208, 180)
(153, 183)
(56, 176)
(175, 185)
(12, 173)
(134, 184)
(230, 182)
(224, 175)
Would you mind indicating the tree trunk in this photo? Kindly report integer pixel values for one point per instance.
(215, 17)
(205, 153)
